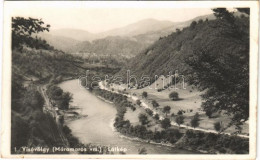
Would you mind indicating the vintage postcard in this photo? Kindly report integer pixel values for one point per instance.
(130, 79)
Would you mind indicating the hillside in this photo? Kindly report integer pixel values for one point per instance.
(152, 36)
(59, 42)
(110, 46)
(213, 55)
(171, 52)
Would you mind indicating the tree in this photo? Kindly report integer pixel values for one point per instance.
(193, 24)
(174, 96)
(144, 94)
(143, 119)
(138, 102)
(22, 30)
(197, 116)
(195, 121)
(222, 72)
(178, 31)
(179, 112)
(217, 126)
(179, 119)
(166, 110)
(149, 112)
(223, 13)
(172, 115)
(156, 116)
(208, 112)
(166, 123)
(155, 104)
(244, 10)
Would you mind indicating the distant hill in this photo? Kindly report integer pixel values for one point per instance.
(112, 45)
(77, 34)
(140, 27)
(153, 36)
(126, 41)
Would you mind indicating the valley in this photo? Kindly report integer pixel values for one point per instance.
(203, 108)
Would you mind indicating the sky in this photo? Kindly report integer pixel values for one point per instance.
(97, 20)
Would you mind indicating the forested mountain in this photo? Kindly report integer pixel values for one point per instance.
(110, 46)
(152, 36)
(212, 54)
(171, 52)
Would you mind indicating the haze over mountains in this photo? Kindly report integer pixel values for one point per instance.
(126, 41)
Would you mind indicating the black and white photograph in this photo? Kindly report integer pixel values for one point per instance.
(130, 79)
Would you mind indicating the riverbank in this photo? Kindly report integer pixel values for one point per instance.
(192, 136)
(131, 137)
(146, 105)
(98, 128)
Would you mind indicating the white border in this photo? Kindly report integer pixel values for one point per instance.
(9, 10)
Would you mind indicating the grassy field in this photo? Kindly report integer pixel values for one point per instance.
(190, 102)
(132, 116)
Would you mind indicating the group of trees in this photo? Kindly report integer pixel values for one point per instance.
(166, 123)
(60, 98)
(215, 143)
(143, 119)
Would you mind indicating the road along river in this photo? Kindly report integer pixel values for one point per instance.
(98, 128)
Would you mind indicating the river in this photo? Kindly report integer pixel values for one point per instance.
(98, 129)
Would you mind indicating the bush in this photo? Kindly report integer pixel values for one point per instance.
(174, 96)
(193, 24)
(144, 94)
(155, 104)
(180, 112)
(217, 126)
(166, 110)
